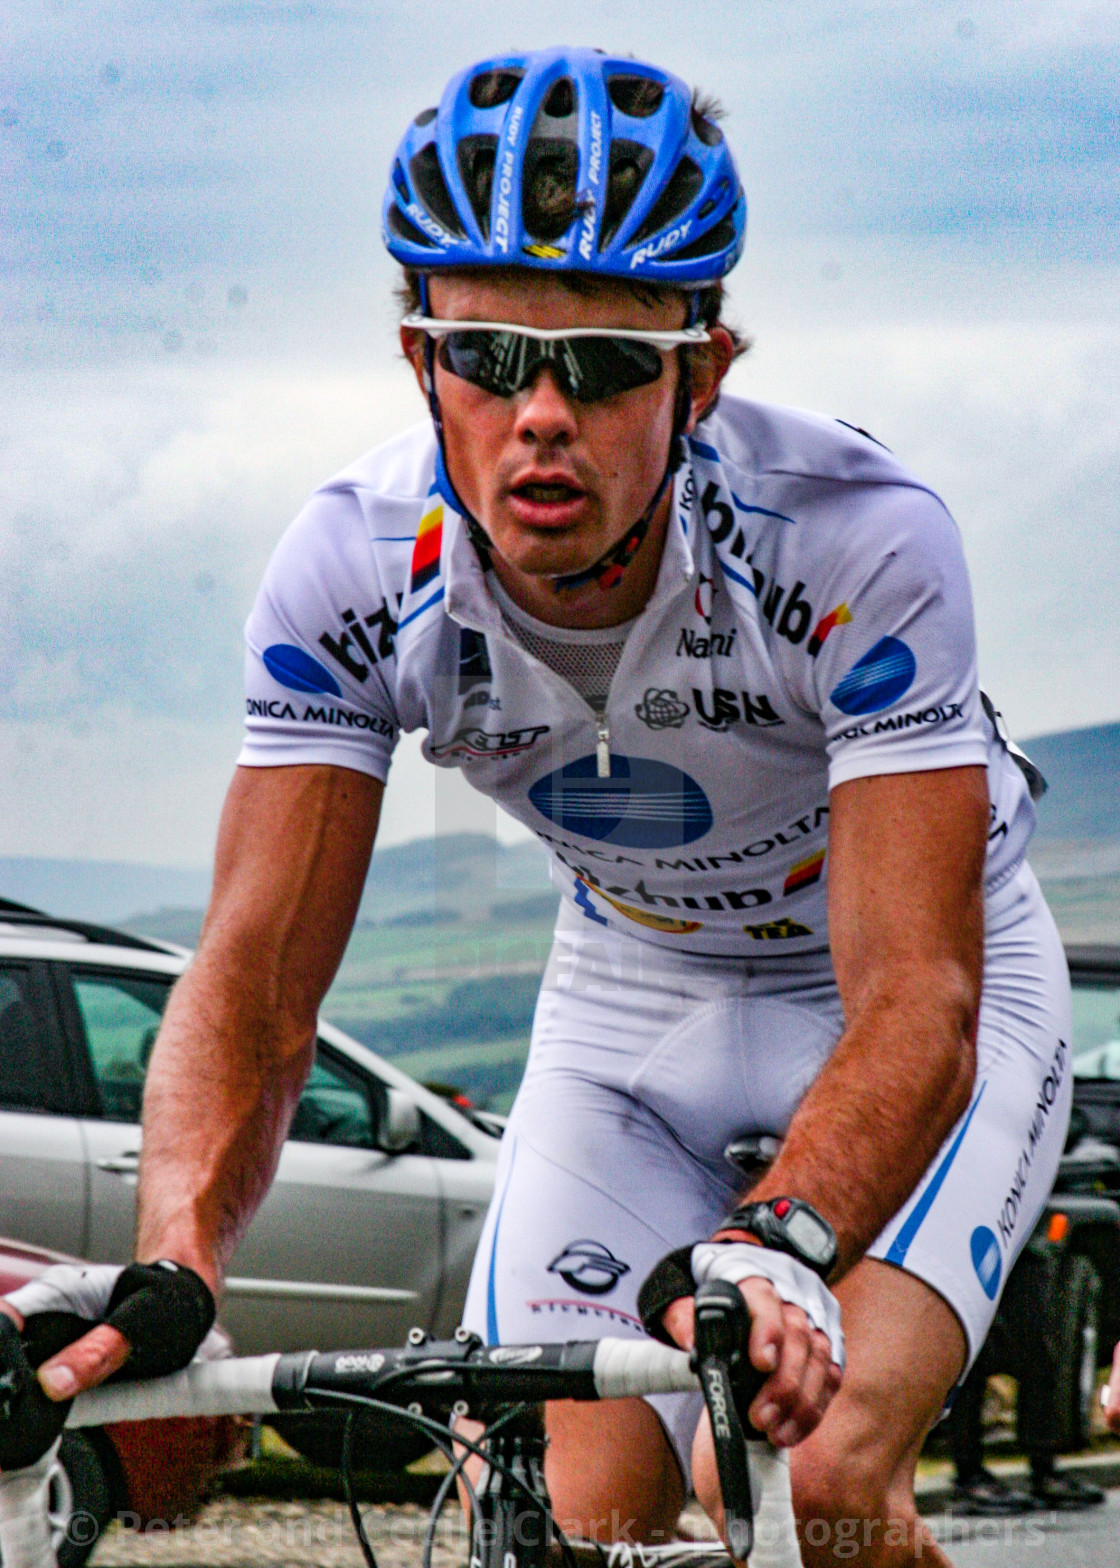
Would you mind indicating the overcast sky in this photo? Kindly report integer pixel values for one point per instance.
(197, 328)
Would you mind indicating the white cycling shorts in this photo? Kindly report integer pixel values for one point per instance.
(645, 1064)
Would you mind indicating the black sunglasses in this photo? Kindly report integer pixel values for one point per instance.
(588, 363)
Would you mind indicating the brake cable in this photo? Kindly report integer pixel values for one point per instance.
(444, 1440)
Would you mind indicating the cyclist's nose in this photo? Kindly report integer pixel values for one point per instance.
(544, 414)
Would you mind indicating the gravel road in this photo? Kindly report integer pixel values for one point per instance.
(239, 1532)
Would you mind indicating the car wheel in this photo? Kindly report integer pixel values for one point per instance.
(79, 1500)
(1078, 1334)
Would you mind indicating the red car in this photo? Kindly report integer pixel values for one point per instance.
(148, 1470)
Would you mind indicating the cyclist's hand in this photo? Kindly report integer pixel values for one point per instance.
(795, 1321)
(784, 1343)
(76, 1325)
(1112, 1408)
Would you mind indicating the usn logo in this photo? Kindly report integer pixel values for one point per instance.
(877, 680)
(298, 671)
(644, 804)
(589, 1267)
(986, 1260)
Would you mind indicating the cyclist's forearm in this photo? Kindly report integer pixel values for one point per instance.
(874, 1119)
(906, 928)
(238, 1036)
(221, 1091)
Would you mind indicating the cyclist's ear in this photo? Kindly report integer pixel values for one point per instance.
(412, 347)
(707, 365)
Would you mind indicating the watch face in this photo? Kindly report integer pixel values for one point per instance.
(809, 1233)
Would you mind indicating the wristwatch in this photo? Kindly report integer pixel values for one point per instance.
(788, 1225)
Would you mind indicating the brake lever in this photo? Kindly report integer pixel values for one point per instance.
(729, 1382)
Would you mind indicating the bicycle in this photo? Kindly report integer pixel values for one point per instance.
(432, 1384)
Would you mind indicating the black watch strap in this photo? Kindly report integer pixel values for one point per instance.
(788, 1225)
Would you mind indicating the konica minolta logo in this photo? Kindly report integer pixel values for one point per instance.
(986, 1260)
(877, 680)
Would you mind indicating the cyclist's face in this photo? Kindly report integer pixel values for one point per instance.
(555, 482)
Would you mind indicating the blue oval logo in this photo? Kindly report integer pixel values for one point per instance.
(298, 671)
(644, 804)
(986, 1260)
(878, 679)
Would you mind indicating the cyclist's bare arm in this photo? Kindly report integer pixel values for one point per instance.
(906, 858)
(906, 922)
(237, 1040)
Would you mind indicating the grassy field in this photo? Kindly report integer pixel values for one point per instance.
(449, 1000)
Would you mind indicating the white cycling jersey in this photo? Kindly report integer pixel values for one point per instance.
(811, 623)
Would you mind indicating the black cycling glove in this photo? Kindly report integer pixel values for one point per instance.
(666, 1282)
(164, 1310)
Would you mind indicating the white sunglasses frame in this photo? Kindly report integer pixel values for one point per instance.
(437, 327)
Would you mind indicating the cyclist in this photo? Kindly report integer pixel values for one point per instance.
(720, 657)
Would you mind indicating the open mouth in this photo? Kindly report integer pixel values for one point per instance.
(554, 493)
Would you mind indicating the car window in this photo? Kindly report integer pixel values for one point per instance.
(120, 1015)
(1096, 1031)
(31, 1076)
(335, 1107)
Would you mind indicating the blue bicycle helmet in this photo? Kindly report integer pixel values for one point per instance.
(567, 160)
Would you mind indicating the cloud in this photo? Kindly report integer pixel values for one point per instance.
(246, 136)
(140, 522)
(198, 329)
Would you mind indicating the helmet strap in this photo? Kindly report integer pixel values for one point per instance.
(608, 569)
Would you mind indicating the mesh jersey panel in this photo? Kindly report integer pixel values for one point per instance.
(586, 659)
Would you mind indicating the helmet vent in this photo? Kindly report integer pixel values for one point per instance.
(431, 187)
(718, 237)
(476, 167)
(492, 88)
(400, 226)
(630, 162)
(548, 195)
(561, 100)
(637, 96)
(682, 187)
(425, 117)
(707, 130)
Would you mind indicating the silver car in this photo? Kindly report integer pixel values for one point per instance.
(372, 1222)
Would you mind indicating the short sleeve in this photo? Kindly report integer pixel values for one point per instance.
(897, 691)
(320, 657)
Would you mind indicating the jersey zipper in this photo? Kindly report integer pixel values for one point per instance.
(603, 745)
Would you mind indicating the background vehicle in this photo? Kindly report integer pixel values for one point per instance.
(1060, 1312)
(151, 1469)
(372, 1223)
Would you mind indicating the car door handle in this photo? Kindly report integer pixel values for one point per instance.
(121, 1164)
